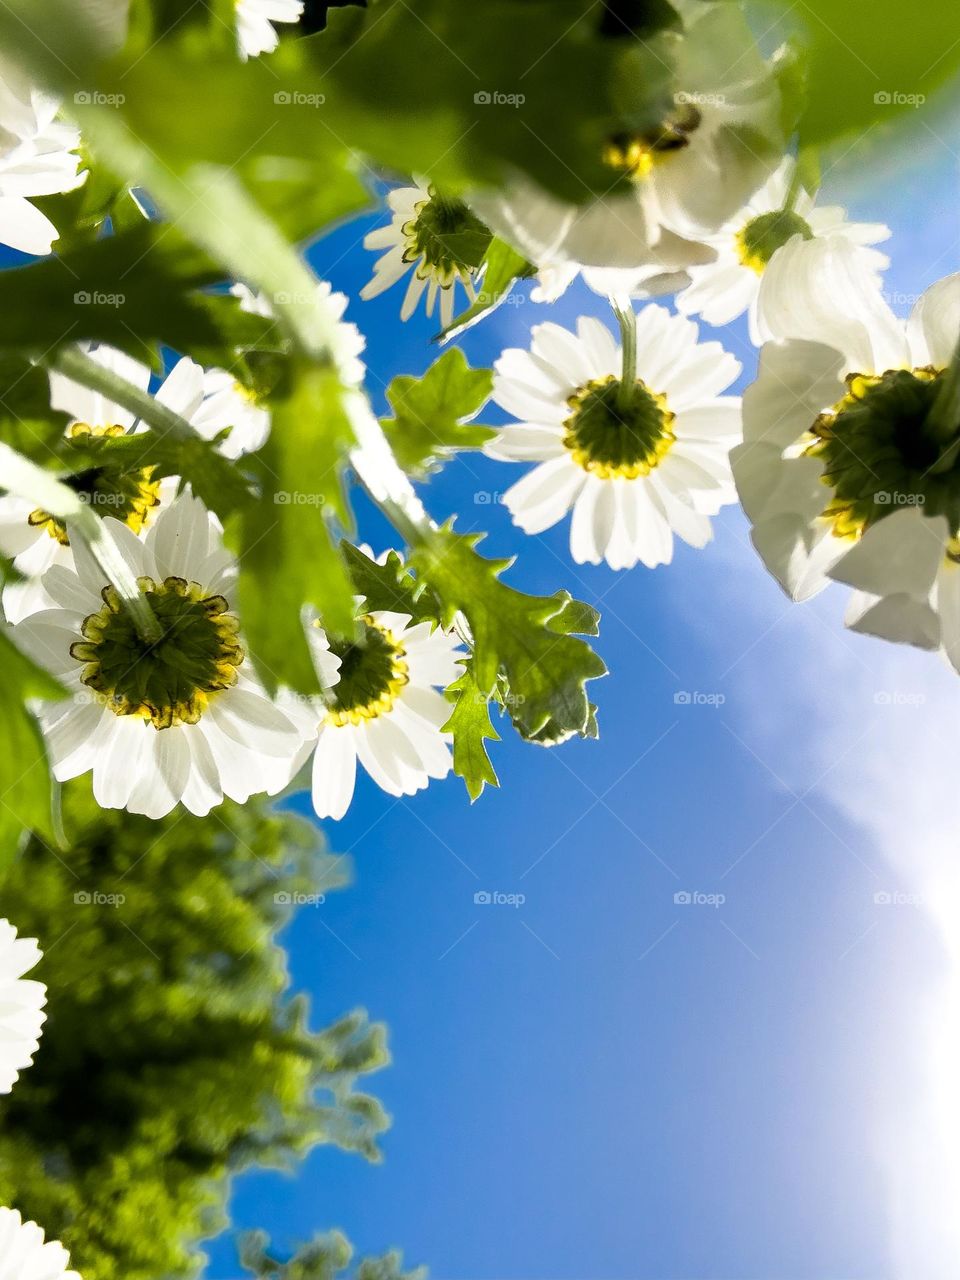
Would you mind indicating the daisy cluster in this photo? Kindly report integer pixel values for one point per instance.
(185, 719)
(844, 453)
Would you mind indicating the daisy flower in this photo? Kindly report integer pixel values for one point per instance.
(38, 157)
(417, 237)
(689, 173)
(21, 1007)
(35, 539)
(213, 401)
(210, 400)
(183, 719)
(737, 280)
(255, 33)
(381, 706)
(638, 455)
(23, 1254)
(846, 471)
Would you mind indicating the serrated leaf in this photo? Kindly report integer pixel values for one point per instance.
(432, 413)
(471, 727)
(390, 585)
(288, 558)
(502, 266)
(546, 670)
(25, 784)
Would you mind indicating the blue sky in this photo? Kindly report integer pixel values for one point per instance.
(602, 1083)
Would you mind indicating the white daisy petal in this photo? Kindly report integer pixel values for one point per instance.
(21, 1013)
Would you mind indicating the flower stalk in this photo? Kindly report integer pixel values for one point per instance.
(627, 319)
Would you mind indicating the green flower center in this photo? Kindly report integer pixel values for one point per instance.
(760, 239)
(636, 154)
(613, 440)
(878, 455)
(373, 671)
(124, 495)
(445, 239)
(168, 682)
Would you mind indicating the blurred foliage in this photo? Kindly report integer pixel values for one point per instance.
(327, 1257)
(172, 1056)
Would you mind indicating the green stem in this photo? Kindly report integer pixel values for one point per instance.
(627, 318)
(943, 421)
(79, 367)
(25, 479)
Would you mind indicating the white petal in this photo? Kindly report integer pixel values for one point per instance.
(334, 772)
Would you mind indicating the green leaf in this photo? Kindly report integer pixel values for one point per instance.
(390, 585)
(546, 669)
(471, 726)
(502, 265)
(27, 423)
(131, 290)
(432, 412)
(463, 93)
(25, 785)
(867, 66)
(288, 558)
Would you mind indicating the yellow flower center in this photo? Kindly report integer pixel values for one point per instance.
(373, 671)
(169, 681)
(125, 495)
(616, 438)
(637, 154)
